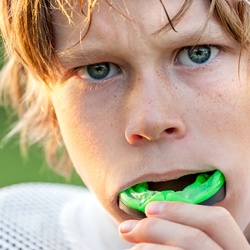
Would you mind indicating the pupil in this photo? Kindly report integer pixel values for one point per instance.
(98, 71)
(200, 54)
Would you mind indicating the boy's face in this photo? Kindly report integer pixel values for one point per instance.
(152, 108)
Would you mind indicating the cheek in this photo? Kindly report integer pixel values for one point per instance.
(225, 122)
(91, 140)
(86, 128)
(84, 142)
(231, 120)
(224, 107)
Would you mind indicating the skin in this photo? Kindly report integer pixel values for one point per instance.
(157, 118)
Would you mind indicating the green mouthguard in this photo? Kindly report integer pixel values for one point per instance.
(205, 186)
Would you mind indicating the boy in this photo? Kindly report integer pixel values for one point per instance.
(137, 91)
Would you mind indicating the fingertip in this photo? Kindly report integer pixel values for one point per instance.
(127, 226)
(155, 208)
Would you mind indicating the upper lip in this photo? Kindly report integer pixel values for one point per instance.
(164, 177)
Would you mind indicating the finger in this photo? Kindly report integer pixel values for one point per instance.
(216, 222)
(163, 232)
(148, 246)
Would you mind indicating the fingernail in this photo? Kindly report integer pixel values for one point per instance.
(127, 226)
(155, 207)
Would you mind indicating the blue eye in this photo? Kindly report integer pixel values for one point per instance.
(197, 55)
(98, 71)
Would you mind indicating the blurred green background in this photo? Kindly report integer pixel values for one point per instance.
(16, 169)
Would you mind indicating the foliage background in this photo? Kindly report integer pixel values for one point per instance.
(14, 168)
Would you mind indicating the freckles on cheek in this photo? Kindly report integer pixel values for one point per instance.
(84, 150)
(85, 117)
(77, 133)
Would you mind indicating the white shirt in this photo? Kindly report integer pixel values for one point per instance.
(38, 216)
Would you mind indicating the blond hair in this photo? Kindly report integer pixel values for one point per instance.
(26, 27)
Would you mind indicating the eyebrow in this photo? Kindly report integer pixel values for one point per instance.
(88, 50)
(195, 34)
(83, 52)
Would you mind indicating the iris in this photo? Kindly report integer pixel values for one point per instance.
(199, 54)
(98, 71)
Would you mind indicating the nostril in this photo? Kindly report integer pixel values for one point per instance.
(135, 137)
(170, 130)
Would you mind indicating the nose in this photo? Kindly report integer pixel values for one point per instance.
(154, 112)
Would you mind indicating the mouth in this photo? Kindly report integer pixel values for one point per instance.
(175, 185)
(200, 188)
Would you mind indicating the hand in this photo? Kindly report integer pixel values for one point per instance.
(179, 226)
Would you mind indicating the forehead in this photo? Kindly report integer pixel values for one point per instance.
(143, 16)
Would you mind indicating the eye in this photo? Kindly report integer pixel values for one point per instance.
(194, 56)
(98, 71)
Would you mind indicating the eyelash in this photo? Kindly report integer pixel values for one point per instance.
(106, 68)
(197, 66)
(114, 70)
(96, 83)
